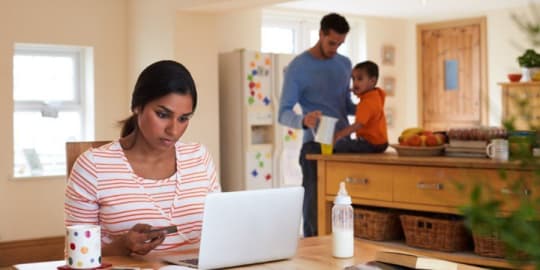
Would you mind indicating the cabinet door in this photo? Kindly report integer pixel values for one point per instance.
(363, 181)
(521, 102)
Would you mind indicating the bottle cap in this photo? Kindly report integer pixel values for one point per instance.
(342, 196)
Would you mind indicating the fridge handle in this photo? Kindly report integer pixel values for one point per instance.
(277, 134)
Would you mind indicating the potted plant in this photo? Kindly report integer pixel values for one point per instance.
(529, 62)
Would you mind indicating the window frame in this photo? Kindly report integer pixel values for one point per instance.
(81, 103)
(304, 22)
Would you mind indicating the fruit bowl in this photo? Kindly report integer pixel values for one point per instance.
(514, 77)
(418, 151)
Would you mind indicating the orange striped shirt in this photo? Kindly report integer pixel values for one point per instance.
(103, 189)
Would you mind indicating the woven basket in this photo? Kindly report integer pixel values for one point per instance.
(379, 225)
(435, 233)
(489, 246)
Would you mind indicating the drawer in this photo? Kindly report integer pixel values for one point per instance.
(363, 181)
(502, 188)
(432, 186)
(439, 186)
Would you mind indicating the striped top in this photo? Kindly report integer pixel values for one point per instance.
(103, 189)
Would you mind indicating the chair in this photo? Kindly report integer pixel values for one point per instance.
(48, 248)
(75, 149)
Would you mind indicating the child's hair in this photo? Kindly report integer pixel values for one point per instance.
(370, 67)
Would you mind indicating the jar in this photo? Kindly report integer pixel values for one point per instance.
(521, 142)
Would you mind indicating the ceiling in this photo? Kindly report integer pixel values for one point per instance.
(405, 8)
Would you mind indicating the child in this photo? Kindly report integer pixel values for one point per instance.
(370, 122)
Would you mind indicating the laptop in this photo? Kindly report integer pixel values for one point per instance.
(247, 227)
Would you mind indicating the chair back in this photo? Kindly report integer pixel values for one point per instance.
(75, 149)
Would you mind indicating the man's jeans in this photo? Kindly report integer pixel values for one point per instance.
(309, 182)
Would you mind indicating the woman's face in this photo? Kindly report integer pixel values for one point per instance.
(164, 120)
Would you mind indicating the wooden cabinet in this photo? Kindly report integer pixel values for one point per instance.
(414, 183)
(521, 101)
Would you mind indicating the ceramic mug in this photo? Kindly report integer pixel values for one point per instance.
(498, 150)
(83, 246)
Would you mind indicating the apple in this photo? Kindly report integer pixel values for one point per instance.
(413, 140)
(433, 140)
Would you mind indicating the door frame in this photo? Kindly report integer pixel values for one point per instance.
(484, 96)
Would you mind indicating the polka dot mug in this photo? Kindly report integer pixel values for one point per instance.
(83, 246)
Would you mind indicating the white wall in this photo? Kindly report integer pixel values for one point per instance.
(34, 208)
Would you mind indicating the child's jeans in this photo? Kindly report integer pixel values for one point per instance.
(360, 145)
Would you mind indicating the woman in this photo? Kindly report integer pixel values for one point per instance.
(146, 180)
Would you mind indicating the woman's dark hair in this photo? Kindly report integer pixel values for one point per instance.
(155, 81)
(335, 22)
(370, 67)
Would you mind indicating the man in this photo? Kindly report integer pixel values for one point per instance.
(318, 79)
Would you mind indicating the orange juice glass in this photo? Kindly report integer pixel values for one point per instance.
(327, 149)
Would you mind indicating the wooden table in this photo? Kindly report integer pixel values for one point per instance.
(313, 253)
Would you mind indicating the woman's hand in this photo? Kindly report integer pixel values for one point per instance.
(140, 239)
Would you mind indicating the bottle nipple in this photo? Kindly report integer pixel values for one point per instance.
(342, 195)
(342, 190)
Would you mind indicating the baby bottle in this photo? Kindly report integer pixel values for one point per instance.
(342, 225)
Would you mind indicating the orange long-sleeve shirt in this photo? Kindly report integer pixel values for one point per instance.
(370, 114)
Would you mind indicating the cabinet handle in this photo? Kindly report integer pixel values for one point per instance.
(434, 186)
(359, 181)
(507, 191)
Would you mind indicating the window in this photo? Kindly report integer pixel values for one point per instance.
(51, 94)
(292, 32)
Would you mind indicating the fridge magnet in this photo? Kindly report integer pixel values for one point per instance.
(389, 85)
(388, 55)
(389, 114)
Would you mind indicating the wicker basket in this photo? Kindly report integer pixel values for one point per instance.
(489, 246)
(435, 233)
(379, 225)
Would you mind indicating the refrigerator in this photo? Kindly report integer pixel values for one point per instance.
(256, 151)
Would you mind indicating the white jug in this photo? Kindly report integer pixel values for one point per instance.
(325, 132)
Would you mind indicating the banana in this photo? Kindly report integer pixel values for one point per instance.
(411, 131)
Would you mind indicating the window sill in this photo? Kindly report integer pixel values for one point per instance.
(38, 178)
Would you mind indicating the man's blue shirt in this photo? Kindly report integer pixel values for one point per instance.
(316, 84)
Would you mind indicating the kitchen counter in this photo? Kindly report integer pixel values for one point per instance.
(393, 158)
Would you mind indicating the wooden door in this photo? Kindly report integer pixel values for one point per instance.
(452, 74)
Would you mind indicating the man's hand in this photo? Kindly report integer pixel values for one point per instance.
(311, 119)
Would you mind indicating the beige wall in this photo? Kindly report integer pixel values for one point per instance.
(150, 34)
(505, 42)
(34, 208)
(196, 47)
(239, 30)
(394, 32)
